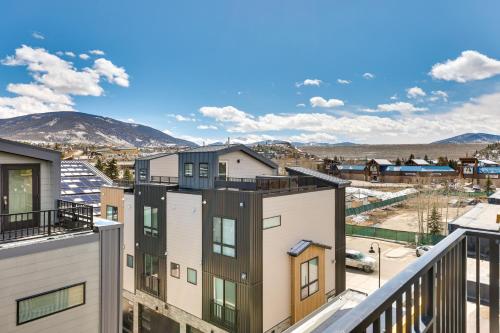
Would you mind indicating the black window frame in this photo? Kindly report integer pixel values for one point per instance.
(152, 231)
(113, 214)
(154, 272)
(192, 169)
(274, 226)
(130, 257)
(221, 244)
(143, 174)
(195, 275)
(172, 264)
(199, 170)
(18, 301)
(309, 282)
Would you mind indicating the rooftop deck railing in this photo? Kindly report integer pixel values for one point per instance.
(268, 184)
(431, 294)
(164, 180)
(68, 217)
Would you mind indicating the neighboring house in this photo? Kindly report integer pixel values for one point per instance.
(60, 270)
(232, 247)
(480, 171)
(81, 182)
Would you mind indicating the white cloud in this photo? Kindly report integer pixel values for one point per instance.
(84, 56)
(97, 52)
(301, 105)
(182, 118)
(309, 82)
(368, 76)
(55, 82)
(402, 107)
(37, 35)
(70, 54)
(341, 81)
(394, 97)
(206, 127)
(415, 92)
(469, 66)
(313, 137)
(320, 102)
(437, 95)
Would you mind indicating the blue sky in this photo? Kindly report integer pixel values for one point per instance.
(253, 70)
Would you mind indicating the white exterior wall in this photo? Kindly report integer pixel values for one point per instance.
(32, 274)
(47, 199)
(309, 216)
(128, 242)
(248, 167)
(184, 247)
(165, 166)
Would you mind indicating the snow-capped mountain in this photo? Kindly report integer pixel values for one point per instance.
(77, 127)
(472, 138)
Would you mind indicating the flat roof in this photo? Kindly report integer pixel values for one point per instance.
(495, 195)
(482, 216)
(335, 181)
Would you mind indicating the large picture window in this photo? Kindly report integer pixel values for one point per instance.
(150, 221)
(224, 236)
(309, 283)
(46, 304)
(224, 302)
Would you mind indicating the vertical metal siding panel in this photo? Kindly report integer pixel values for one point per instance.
(340, 243)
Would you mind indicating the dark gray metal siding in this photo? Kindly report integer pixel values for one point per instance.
(248, 254)
(151, 195)
(339, 243)
(142, 164)
(195, 182)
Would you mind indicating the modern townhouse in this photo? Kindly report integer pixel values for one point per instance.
(227, 245)
(60, 269)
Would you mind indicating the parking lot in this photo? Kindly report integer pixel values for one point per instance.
(395, 257)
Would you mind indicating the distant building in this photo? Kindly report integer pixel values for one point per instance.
(479, 171)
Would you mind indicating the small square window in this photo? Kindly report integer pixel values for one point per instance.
(204, 170)
(188, 169)
(175, 270)
(130, 261)
(192, 276)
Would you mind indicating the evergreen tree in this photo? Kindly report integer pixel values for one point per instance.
(411, 157)
(99, 165)
(127, 175)
(426, 157)
(434, 222)
(398, 161)
(111, 169)
(488, 186)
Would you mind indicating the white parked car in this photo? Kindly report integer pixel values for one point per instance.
(421, 250)
(360, 260)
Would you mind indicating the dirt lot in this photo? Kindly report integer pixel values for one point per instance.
(405, 216)
(362, 152)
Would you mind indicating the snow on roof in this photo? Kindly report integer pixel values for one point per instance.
(419, 161)
(482, 216)
(382, 161)
(488, 162)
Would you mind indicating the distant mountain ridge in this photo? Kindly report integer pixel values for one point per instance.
(77, 127)
(471, 138)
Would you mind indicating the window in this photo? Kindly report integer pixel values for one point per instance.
(175, 270)
(192, 276)
(224, 236)
(143, 174)
(309, 278)
(150, 265)
(130, 261)
(112, 213)
(46, 304)
(204, 170)
(150, 221)
(222, 169)
(225, 293)
(271, 222)
(188, 169)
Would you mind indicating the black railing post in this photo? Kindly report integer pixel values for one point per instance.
(49, 231)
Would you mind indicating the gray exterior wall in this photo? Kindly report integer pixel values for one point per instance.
(197, 182)
(111, 281)
(248, 259)
(339, 244)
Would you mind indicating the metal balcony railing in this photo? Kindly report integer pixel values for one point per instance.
(164, 179)
(224, 316)
(150, 284)
(268, 184)
(68, 217)
(431, 294)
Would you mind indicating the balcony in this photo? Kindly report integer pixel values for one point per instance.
(224, 316)
(150, 284)
(164, 180)
(68, 217)
(447, 290)
(268, 184)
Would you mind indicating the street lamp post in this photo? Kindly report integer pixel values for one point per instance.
(373, 251)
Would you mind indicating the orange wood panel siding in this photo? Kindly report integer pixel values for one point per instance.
(113, 196)
(301, 308)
